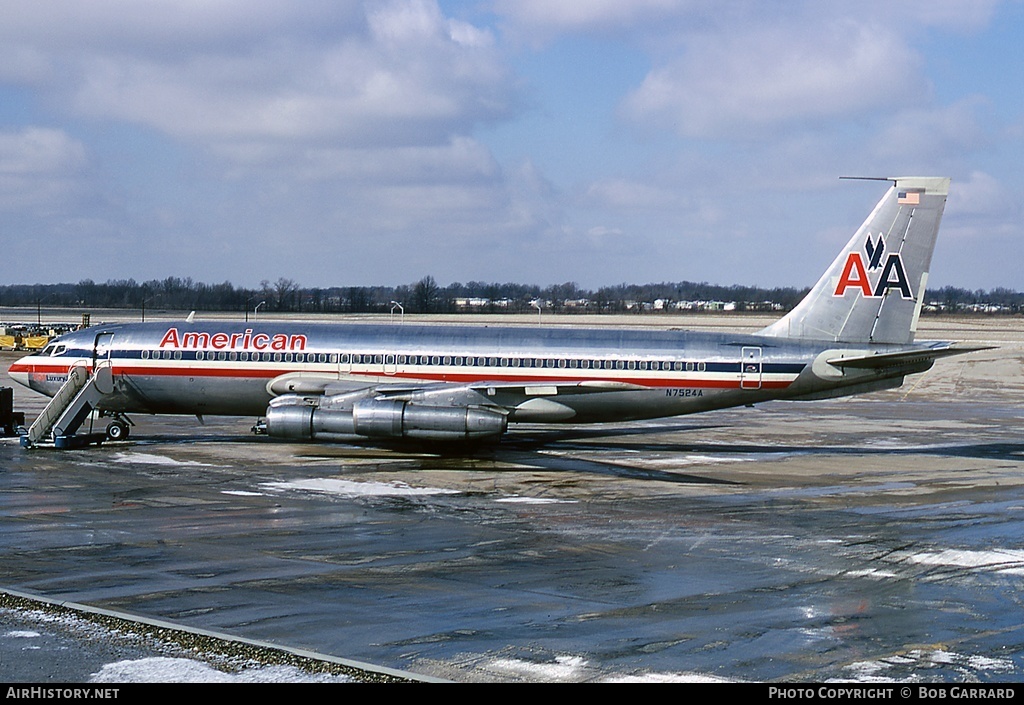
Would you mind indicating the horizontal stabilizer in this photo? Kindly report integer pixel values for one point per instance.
(903, 357)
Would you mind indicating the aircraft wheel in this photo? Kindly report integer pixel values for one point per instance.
(117, 430)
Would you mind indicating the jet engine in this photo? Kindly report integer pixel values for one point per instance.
(383, 418)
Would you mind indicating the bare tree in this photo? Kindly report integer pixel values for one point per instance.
(286, 292)
(425, 295)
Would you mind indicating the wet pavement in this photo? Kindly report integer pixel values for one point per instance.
(875, 538)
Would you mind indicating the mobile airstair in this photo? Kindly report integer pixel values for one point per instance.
(65, 413)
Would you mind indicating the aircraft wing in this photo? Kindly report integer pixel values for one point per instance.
(532, 401)
(327, 385)
(904, 357)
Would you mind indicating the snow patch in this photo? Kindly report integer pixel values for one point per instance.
(163, 669)
(152, 459)
(1000, 560)
(349, 488)
(534, 500)
(563, 668)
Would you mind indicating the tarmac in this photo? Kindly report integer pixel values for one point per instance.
(873, 538)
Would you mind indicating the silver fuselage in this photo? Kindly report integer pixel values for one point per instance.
(237, 368)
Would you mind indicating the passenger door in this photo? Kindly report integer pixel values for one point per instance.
(750, 368)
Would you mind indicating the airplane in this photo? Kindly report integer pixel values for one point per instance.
(853, 333)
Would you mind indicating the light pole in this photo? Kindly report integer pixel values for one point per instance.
(146, 298)
(255, 310)
(39, 307)
(536, 305)
(401, 309)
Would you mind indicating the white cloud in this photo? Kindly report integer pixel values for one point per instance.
(948, 14)
(164, 26)
(549, 17)
(621, 193)
(37, 166)
(981, 194)
(926, 135)
(400, 73)
(38, 150)
(461, 160)
(753, 79)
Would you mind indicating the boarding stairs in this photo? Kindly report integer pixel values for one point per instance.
(65, 413)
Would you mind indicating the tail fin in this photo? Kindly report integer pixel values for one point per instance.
(874, 289)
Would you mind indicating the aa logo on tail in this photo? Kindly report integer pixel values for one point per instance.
(873, 278)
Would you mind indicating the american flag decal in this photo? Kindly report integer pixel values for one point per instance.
(909, 198)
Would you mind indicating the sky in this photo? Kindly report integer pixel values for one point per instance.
(349, 143)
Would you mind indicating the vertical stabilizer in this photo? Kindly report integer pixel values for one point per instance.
(873, 291)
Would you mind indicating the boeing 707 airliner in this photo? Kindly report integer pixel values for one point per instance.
(853, 333)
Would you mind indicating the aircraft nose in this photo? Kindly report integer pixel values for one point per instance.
(19, 372)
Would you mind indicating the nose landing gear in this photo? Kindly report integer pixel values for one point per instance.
(120, 428)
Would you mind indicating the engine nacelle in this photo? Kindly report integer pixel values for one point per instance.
(385, 418)
(303, 422)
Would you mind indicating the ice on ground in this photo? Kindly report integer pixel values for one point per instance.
(349, 488)
(161, 669)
